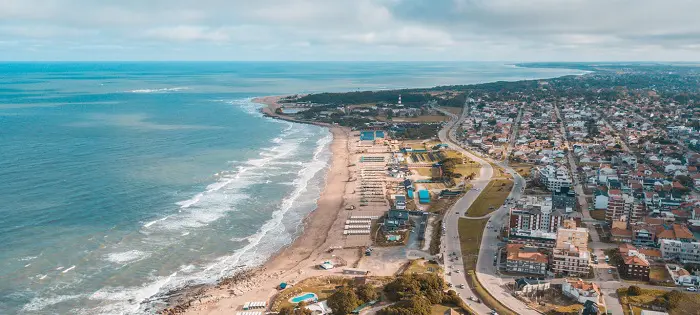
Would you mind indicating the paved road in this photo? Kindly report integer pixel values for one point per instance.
(486, 272)
(454, 270)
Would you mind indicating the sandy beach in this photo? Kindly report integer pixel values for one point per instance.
(298, 260)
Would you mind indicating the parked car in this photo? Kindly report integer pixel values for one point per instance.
(610, 271)
(692, 289)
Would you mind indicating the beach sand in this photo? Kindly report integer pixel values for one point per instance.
(297, 261)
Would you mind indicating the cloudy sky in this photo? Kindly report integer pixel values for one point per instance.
(502, 30)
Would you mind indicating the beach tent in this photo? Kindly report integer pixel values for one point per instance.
(283, 285)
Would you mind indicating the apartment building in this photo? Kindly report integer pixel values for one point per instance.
(573, 236)
(535, 213)
(684, 252)
(570, 260)
(525, 259)
(554, 178)
(623, 205)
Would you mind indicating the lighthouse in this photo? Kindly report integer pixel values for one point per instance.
(400, 101)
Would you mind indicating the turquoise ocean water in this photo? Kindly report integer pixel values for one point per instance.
(120, 182)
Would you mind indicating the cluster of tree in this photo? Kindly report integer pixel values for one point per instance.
(300, 309)
(408, 98)
(416, 131)
(415, 293)
(347, 298)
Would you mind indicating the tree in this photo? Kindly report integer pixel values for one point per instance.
(300, 310)
(343, 301)
(674, 298)
(390, 114)
(634, 290)
(366, 293)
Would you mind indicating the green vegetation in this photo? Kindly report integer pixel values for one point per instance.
(419, 266)
(421, 131)
(491, 198)
(299, 310)
(344, 300)
(486, 297)
(675, 301)
(415, 293)
(470, 232)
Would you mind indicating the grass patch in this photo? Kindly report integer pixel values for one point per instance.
(659, 274)
(470, 232)
(687, 303)
(419, 119)
(453, 110)
(491, 198)
(598, 214)
(420, 266)
(524, 169)
(485, 297)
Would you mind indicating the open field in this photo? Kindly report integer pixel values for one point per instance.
(659, 275)
(491, 198)
(524, 169)
(598, 214)
(420, 266)
(419, 119)
(684, 303)
(454, 110)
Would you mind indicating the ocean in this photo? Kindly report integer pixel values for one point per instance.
(120, 182)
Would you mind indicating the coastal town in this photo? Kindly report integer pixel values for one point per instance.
(572, 195)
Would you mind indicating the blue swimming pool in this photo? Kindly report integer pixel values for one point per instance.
(306, 297)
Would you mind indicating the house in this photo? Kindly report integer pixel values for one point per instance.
(634, 264)
(396, 220)
(581, 291)
(681, 276)
(525, 259)
(529, 285)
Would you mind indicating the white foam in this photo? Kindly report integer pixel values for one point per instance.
(154, 222)
(40, 303)
(161, 90)
(126, 257)
(69, 269)
(128, 300)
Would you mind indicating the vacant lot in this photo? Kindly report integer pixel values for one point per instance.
(598, 214)
(524, 169)
(454, 110)
(684, 303)
(419, 119)
(491, 198)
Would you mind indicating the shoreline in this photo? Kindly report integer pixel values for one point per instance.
(291, 263)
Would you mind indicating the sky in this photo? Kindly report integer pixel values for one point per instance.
(362, 30)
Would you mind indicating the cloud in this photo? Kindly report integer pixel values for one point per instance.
(353, 29)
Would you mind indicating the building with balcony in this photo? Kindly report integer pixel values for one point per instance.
(525, 259)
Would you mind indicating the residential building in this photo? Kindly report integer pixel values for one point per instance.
(535, 238)
(554, 178)
(684, 252)
(525, 259)
(681, 276)
(623, 205)
(581, 291)
(564, 199)
(535, 213)
(634, 264)
(570, 260)
(575, 236)
(530, 285)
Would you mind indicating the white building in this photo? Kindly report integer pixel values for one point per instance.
(554, 178)
(582, 291)
(685, 252)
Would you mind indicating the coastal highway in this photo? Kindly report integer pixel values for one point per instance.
(454, 270)
(486, 272)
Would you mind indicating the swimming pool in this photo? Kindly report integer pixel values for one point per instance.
(306, 297)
